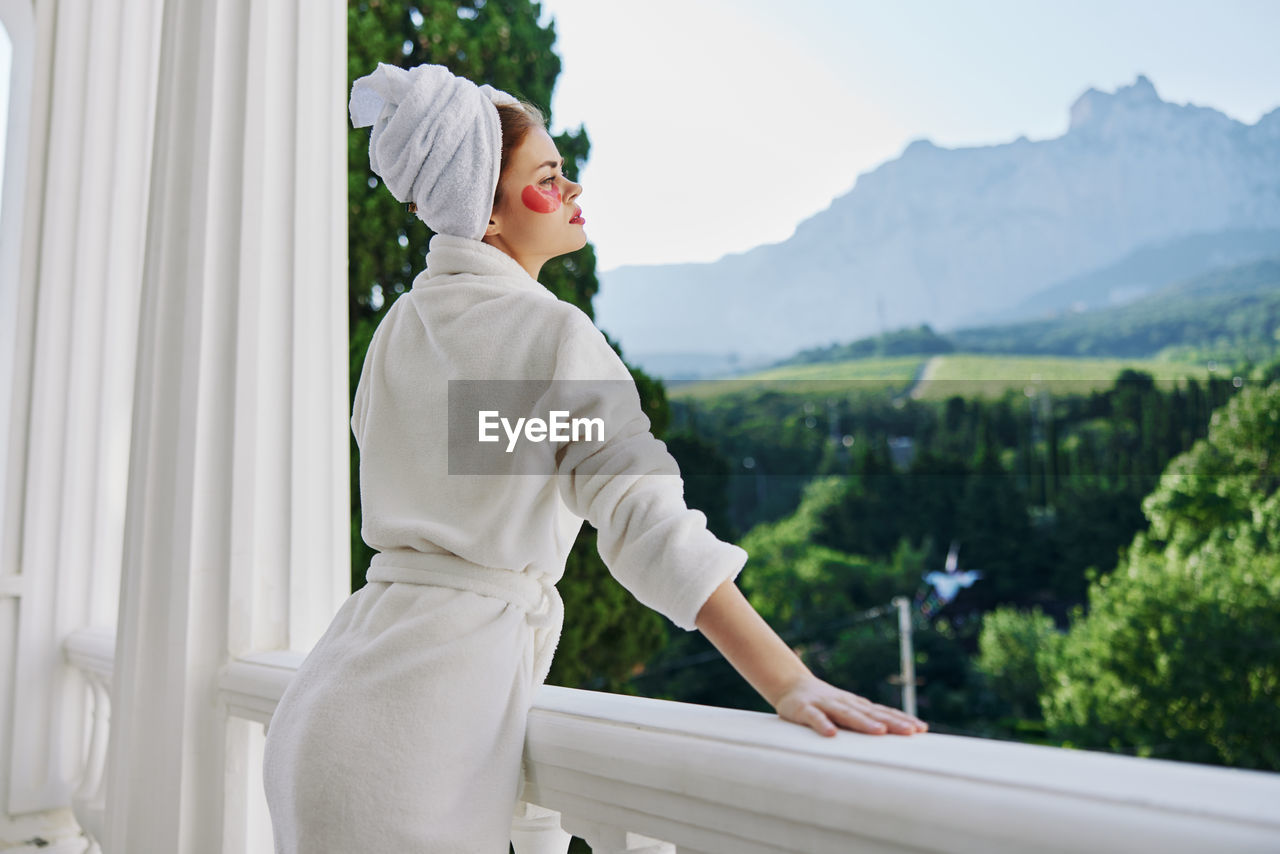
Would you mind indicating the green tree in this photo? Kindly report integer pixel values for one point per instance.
(993, 529)
(1218, 484)
(816, 597)
(798, 584)
(1178, 656)
(867, 515)
(705, 471)
(499, 42)
(1009, 647)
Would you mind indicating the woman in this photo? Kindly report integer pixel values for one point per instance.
(403, 730)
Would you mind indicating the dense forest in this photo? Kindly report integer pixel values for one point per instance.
(1048, 499)
(1115, 531)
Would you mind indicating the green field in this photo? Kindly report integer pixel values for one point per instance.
(988, 376)
(964, 374)
(879, 375)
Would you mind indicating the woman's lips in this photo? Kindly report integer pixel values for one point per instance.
(578, 219)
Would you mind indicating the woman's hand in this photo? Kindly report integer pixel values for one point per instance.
(813, 703)
(773, 669)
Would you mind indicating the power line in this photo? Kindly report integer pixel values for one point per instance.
(791, 639)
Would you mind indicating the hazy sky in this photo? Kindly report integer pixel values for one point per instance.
(719, 125)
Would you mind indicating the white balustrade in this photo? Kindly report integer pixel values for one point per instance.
(537, 830)
(644, 776)
(92, 652)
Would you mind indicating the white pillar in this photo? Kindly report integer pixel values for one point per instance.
(237, 524)
(68, 415)
(43, 762)
(18, 19)
(16, 298)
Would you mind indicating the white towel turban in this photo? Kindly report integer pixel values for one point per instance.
(436, 141)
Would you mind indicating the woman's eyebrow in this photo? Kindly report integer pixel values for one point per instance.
(550, 163)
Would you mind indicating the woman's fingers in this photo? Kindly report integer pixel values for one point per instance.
(822, 707)
(887, 714)
(910, 719)
(896, 719)
(857, 719)
(814, 717)
(875, 718)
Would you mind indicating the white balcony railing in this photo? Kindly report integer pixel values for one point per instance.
(634, 774)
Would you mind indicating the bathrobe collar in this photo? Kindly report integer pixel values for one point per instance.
(449, 255)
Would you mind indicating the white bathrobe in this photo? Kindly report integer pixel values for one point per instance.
(404, 728)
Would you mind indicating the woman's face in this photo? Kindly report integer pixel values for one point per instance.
(535, 220)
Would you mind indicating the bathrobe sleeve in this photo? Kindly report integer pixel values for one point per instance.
(628, 486)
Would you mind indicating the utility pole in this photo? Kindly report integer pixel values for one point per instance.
(908, 675)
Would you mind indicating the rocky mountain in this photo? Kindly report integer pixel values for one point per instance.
(950, 237)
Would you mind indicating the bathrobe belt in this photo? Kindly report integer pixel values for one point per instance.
(535, 595)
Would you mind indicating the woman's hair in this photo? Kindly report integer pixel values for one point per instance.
(516, 122)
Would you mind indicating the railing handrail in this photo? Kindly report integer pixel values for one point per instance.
(92, 650)
(712, 779)
(765, 784)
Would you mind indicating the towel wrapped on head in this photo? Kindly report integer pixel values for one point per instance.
(436, 142)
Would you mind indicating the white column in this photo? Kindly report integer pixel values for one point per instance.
(40, 768)
(75, 323)
(18, 19)
(236, 531)
(16, 299)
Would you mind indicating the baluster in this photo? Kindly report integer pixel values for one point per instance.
(89, 803)
(536, 830)
(604, 839)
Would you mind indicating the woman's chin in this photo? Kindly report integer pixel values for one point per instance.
(572, 245)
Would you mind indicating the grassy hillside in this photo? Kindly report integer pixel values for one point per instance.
(892, 374)
(966, 374)
(990, 376)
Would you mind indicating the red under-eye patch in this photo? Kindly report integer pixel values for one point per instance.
(541, 199)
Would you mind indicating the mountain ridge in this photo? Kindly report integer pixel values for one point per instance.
(1236, 308)
(939, 235)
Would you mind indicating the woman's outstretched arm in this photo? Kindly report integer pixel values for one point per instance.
(764, 660)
